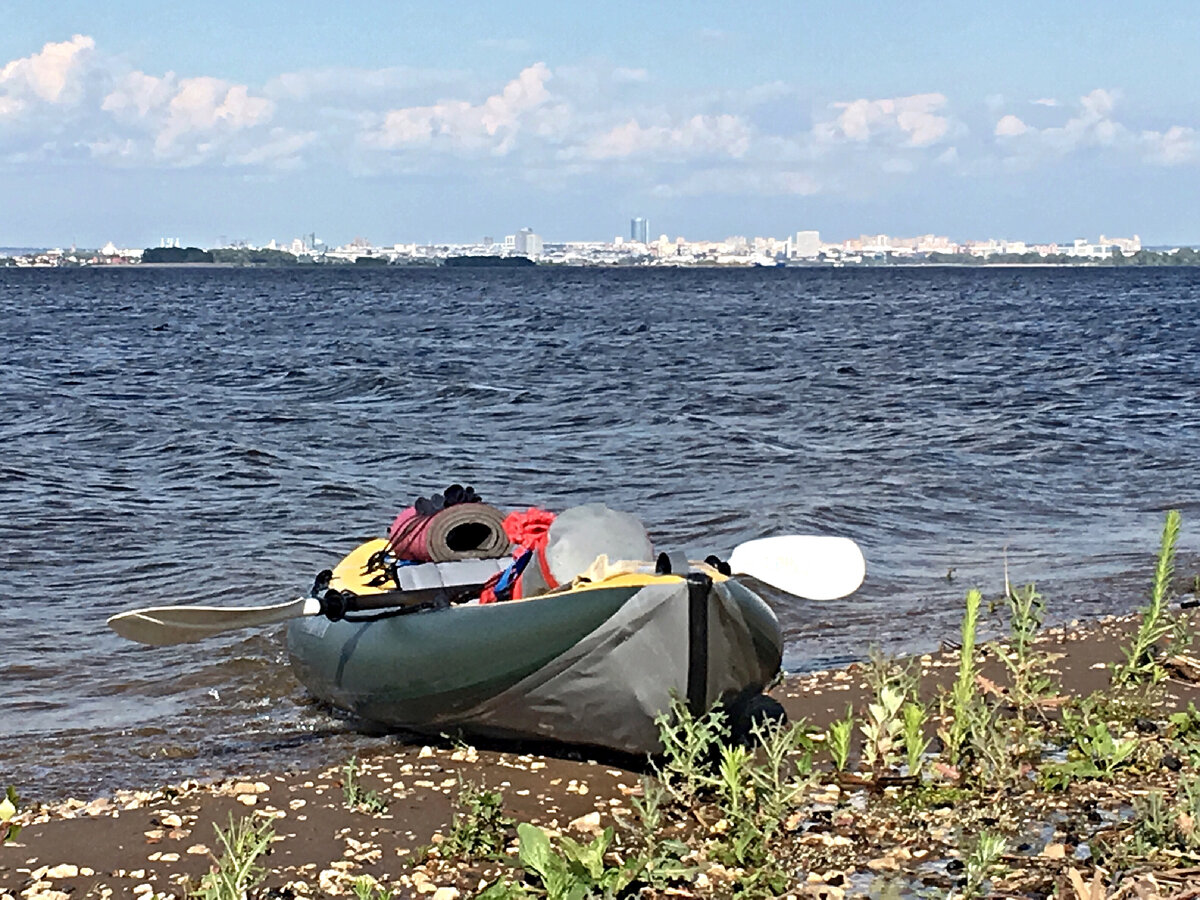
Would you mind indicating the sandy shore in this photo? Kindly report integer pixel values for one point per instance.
(152, 842)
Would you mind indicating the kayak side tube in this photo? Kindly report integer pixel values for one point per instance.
(594, 665)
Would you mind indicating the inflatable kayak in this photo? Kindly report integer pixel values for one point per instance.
(590, 663)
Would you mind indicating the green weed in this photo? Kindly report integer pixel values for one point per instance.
(884, 670)
(479, 827)
(733, 786)
(995, 744)
(926, 796)
(915, 742)
(1185, 724)
(839, 736)
(237, 871)
(752, 791)
(982, 861)
(1119, 706)
(576, 870)
(956, 707)
(1183, 634)
(1155, 624)
(355, 796)
(663, 857)
(8, 809)
(1093, 754)
(367, 888)
(690, 743)
(882, 729)
(1162, 827)
(754, 798)
(649, 809)
(1026, 666)
(787, 765)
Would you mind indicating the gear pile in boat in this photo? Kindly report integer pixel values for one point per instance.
(452, 547)
(531, 624)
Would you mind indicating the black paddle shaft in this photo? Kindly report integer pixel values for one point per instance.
(336, 604)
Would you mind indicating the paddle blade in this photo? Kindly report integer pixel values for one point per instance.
(162, 626)
(809, 566)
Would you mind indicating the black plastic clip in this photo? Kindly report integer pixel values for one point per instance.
(719, 564)
(335, 604)
(322, 581)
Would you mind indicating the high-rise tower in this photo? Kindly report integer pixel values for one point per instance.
(639, 230)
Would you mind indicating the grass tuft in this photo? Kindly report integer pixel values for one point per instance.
(480, 827)
(356, 797)
(237, 871)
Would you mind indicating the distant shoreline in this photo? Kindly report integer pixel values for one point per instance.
(439, 263)
(622, 266)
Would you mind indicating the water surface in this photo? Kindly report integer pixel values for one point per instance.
(220, 435)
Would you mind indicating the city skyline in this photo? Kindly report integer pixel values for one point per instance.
(526, 241)
(116, 124)
(801, 248)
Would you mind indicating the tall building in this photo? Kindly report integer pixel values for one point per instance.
(528, 244)
(639, 230)
(807, 244)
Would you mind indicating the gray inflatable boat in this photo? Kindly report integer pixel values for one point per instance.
(592, 664)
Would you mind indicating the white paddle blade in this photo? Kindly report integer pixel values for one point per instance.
(162, 626)
(808, 566)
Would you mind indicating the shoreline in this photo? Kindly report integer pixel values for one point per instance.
(144, 843)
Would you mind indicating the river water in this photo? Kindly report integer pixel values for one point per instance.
(220, 435)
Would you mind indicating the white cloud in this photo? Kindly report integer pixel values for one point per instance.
(1091, 126)
(493, 124)
(282, 150)
(625, 76)
(346, 89)
(1176, 146)
(137, 94)
(1098, 104)
(70, 98)
(45, 76)
(913, 120)
(1010, 126)
(119, 151)
(698, 136)
(187, 120)
(753, 181)
(555, 129)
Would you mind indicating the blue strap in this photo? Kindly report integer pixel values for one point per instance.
(512, 573)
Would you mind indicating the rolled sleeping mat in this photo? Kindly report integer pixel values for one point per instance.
(463, 531)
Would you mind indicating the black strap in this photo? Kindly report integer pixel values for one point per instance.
(699, 587)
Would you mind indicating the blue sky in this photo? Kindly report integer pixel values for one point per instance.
(413, 122)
